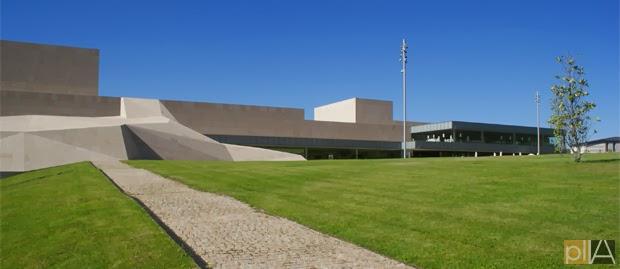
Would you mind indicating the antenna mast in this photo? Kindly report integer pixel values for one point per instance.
(537, 123)
(403, 61)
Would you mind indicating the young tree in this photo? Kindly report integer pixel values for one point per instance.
(570, 109)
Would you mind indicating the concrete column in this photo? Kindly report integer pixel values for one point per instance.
(306, 153)
(356, 154)
(606, 147)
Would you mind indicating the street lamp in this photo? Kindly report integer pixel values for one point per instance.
(403, 61)
(537, 123)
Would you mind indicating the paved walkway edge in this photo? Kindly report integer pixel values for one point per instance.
(218, 231)
(188, 249)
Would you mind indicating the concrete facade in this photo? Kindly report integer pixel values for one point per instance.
(48, 68)
(38, 90)
(44, 80)
(240, 120)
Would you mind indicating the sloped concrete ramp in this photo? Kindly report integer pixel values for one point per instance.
(144, 130)
(170, 146)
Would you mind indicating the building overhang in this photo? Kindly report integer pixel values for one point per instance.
(476, 126)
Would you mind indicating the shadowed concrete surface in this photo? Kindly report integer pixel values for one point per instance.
(229, 234)
(16, 103)
(144, 130)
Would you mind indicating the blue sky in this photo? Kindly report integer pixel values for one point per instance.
(469, 60)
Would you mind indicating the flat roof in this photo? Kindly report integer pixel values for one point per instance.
(477, 126)
(27, 43)
(613, 139)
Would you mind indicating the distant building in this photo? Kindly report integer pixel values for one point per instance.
(458, 138)
(63, 81)
(610, 144)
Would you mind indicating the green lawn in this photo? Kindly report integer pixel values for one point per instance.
(72, 217)
(508, 212)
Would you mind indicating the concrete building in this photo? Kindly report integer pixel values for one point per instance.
(47, 80)
(458, 138)
(610, 144)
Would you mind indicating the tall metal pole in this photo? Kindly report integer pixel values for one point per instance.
(404, 73)
(537, 123)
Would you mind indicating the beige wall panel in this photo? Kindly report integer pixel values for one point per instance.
(12, 153)
(105, 140)
(343, 111)
(41, 152)
(356, 110)
(140, 107)
(48, 68)
(199, 111)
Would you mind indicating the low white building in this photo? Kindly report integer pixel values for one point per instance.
(610, 144)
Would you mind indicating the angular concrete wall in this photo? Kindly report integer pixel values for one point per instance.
(169, 144)
(206, 118)
(47, 68)
(145, 129)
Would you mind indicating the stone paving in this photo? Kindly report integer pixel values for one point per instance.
(227, 233)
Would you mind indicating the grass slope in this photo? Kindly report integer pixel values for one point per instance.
(509, 212)
(73, 217)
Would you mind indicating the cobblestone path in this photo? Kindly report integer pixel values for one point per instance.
(226, 233)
